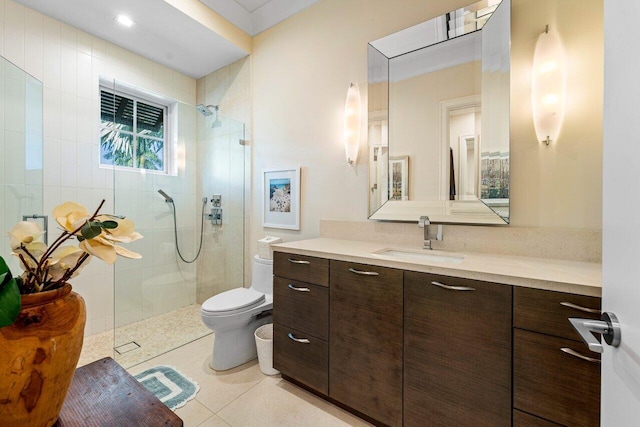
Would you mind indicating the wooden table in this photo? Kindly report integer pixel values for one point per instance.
(103, 394)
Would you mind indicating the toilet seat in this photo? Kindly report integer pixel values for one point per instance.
(233, 301)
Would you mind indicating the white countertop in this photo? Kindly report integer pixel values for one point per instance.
(584, 278)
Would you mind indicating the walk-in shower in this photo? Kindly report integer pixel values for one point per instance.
(185, 259)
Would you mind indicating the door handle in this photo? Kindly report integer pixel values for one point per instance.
(608, 327)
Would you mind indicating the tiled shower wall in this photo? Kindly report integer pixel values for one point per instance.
(224, 167)
(70, 62)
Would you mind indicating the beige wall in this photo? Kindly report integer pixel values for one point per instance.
(302, 69)
(559, 185)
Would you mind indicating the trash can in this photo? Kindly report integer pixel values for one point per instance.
(264, 345)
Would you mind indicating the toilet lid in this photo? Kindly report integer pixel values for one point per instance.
(233, 300)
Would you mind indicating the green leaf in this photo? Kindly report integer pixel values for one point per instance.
(109, 224)
(4, 278)
(90, 230)
(4, 268)
(9, 303)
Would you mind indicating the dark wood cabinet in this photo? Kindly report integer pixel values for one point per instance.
(301, 319)
(302, 305)
(302, 357)
(522, 419)
(403, 348)
(555, 376)
(365, 340)
(306, 269)
(547, 311)
(457, 352)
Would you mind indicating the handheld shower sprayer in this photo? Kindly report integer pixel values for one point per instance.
(167, 198)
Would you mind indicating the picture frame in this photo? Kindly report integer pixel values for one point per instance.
(399, 178)
(281, 199)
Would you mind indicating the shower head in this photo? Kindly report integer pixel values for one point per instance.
(206, 110)
(167, 198)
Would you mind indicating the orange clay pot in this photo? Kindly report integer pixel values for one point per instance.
(38, 357)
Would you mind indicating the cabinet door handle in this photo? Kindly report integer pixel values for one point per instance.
(299, 289)
(295, 261)
(578, 355)
(364, 273)
(300, 340)
(579, 307)
(453, 288)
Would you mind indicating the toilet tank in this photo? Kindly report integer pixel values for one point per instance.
(262, 275)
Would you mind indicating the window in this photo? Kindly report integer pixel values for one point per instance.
(133, 131)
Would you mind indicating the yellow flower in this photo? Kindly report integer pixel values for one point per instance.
(63, 259)
(24, 239)
(70, 215)
(123, 233)
(102, 248)
(25, 233)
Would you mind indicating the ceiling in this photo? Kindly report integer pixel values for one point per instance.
(255, 16)
(166, 35)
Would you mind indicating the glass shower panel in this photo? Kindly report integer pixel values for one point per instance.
(21, 146)
(156, 298)
(222, 170)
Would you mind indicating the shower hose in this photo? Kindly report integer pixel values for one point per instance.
(175, 232)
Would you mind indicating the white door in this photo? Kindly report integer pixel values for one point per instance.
(621, 211)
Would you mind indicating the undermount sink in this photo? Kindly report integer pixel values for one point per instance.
(424, 255)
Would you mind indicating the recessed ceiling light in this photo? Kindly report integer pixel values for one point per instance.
(123, 20)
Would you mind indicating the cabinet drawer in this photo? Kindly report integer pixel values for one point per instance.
(306, 362)
(552, 384)
(301, 306)
(522, 419)
(548, 311)
(457, 351)
(300, 267)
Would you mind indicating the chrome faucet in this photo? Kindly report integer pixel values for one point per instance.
(425, 223)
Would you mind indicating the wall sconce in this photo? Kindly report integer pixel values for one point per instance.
(548, 86)
(352, 123)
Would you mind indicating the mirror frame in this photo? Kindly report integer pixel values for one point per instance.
(381, 53)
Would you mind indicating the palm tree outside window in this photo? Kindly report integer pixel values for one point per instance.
(132, 132)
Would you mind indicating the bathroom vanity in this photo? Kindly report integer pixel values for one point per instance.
(399, 336)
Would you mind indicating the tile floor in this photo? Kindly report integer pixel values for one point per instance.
(239, 397)
(243, 396)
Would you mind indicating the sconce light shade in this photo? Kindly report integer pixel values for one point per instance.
(548, 86)
(352, 123)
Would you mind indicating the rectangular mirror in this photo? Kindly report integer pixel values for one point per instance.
(439, 118)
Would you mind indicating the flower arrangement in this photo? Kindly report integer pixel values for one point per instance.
(50, 267)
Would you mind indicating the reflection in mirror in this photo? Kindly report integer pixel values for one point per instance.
(439, 118)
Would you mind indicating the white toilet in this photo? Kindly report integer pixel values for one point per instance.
(234, 316)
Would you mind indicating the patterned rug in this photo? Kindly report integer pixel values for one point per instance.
(167, 384)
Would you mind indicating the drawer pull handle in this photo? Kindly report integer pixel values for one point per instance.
(579, 307)
(295, 261)
(364, 273)
(300, 340)
(578, 355)
(453, 288)
(299, 289)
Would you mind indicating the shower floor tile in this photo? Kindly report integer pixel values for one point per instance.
(154, 336)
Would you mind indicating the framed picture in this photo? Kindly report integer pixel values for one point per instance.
(281, 199)
(399, 178)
